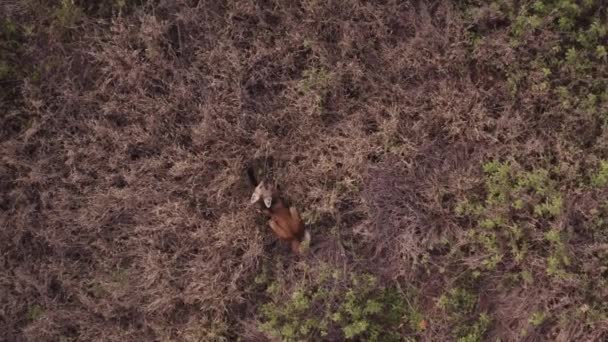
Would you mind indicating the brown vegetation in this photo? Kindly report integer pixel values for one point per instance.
(448, 158)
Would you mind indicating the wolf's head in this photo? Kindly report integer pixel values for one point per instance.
(264, 192)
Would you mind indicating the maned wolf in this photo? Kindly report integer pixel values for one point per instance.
(285, 221)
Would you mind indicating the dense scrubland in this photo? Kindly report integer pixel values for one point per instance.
(449, 157)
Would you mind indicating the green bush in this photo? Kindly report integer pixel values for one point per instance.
(459, 305)
(505, 217)
(577, 53)
(68, 13)
(600, 179)
(360, 309)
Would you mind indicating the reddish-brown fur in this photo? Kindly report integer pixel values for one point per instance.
(286, 223)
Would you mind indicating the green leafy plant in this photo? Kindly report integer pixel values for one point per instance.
(68, 13)
(457, 301)
(362, 310)
(515, 199)
(558, 258)
(459, 305)
(475, 331)
(315, 79)
(600, 179)
(34, 312)
(537, 318)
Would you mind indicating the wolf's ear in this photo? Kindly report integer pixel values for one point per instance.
(258, 192)
(267, 201)
(256, 196)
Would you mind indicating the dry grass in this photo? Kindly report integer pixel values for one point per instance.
(125, 131)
